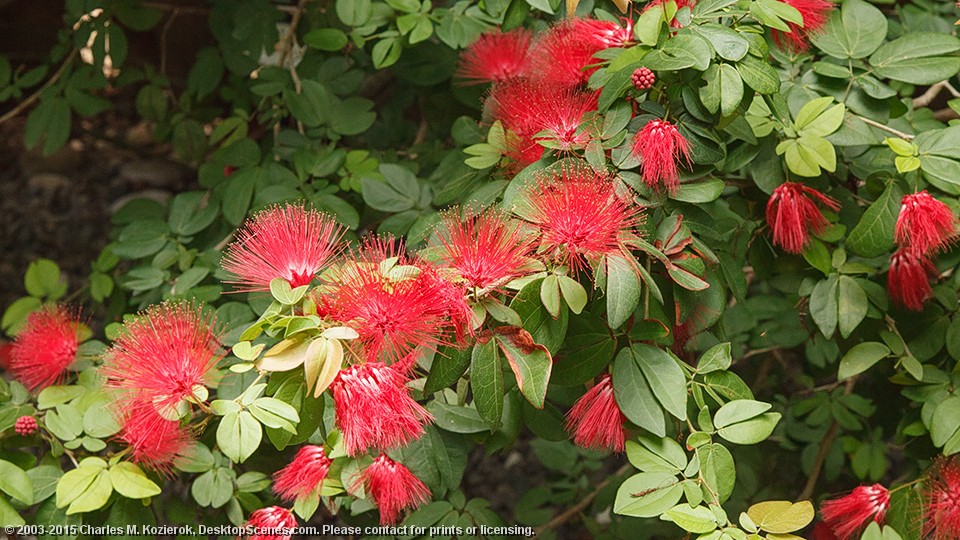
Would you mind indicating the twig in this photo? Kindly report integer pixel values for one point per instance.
(564, 516)
(886, 128)
(927, 97)
(286, 43)
(825, 444)
(36, 95)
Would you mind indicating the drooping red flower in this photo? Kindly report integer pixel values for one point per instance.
(272, 523)
(155, 442)
(581, 215)
(395, 304)
(517, 104)
(595, 421)
(942, 510)
(792, 214)
(25, 426)
(374, 408)
(289, 242)
(304, 474)
(660, 147)
(45, 348)
(393, 488)
(486, 249)
(604, 34)
(562, 54)
(496, 56)
(163, 356)
(848, 515)
(925, 224)
(814, 13)
(908, 282)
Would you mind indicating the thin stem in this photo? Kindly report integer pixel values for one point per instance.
(29, 100)
(886, 128)
(565, 516)
(825, 444)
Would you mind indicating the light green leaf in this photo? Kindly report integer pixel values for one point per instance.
(623, 290)
(697, 519)
(918, 58)
(781, 517)
(15, 482)
(634, 395)
(647, 494)
(665, 377)
(130, 481)
(852, 303)
(860, 358)
(853, 31)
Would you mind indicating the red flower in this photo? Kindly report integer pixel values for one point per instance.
(486, 249)
(907, 281)
(374, 408)
(45, 348)
(521, 151)
(562, 115)
(393, 488)
(395, 304)
(659, 146)
(925, 224)
(792, 213)
(942, 511)
(581, 215)
(273, 523)
(528, 108)
(849, 514)
(595, 419)
(561, 55)
(518, 103)
(496, 56)
(815, 13)
(163, 356)
(304, 474)
(604, 34)
(288, 242)
(155, 441)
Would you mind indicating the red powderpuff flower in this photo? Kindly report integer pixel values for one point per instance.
(393, 488)
(659, 146)
(847, 515)
(374, 408)
(486, 249)
(164, 355)
(581, 216)
(561, 54)
(907, 281)
(792, 213)
(304, 474)
(518, 103)
(814, 13)
(561, 117)
(604, 34)
(536, 110)
(289, 242)
(272, 523)
(45, 348)
(925, 224)
(496, 56)
(395, 308)
(521, 151)
(942, 510)
(154, 441)
(595, 421)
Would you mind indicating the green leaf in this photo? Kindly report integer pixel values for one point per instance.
(15, 482)
(665, 377)
(623, 290)
(918, 58)
(751, 431)
(873, 235)
(9, 516)
(781, 517)
(680, 52)
(44, 479)
(647, 494)
(573, 293)
(823, 305)
(586, 352)
(238, 435)
(852, 303)
(486, 381)
(52, 396)
(130, 481)
(457, 419)
(758, 75)
(354, 12)
(657, 455)
(530, 365)
(853, 31)
(74, 483)
(326, 39)
(550, 295)
(739, 411)
(728, 43)
(42, 279)
(95, 496)
(449, 364)
(717, 358)
(698, 519)
(545, 329)
(860, 358)
(945, 422)
(634, 395)
(717, 469)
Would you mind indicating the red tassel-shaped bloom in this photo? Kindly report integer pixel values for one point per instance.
(394, 304)
(562, 118)
(155, 442)
(925, 224)
(849, 514)
(660, 147)
(393, 488)
(815, 14)
(908, 282)
(561, 55)
(792, 214)
(45, 347)
(272, 523)
(595, 421)
(942, 510)
(496, 56)
(486, 249)
(581, 216)
(303, 475)
(289, 242)
(163, 356)
(517, 104)
(374, 408)
(604, 34)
